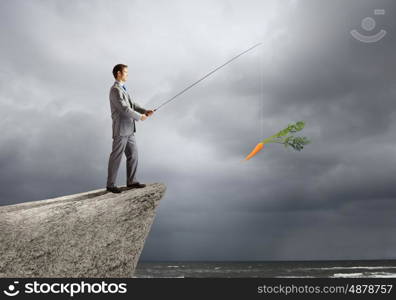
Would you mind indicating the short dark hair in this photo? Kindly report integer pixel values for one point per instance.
(119, 67)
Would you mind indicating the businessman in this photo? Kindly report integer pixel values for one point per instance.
(124, 113)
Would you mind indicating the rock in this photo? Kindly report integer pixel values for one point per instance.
(92, 234)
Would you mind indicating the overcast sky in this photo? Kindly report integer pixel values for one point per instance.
(336, 199)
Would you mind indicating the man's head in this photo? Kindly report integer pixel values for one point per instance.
(120, 72)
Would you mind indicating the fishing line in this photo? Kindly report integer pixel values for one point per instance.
(261, 113)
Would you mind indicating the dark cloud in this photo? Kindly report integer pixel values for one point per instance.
(333, 200)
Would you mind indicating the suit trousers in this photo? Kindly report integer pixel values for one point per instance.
(127, 145)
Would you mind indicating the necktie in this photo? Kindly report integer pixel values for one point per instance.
(130, 103)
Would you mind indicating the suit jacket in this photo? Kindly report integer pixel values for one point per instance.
(124, 111)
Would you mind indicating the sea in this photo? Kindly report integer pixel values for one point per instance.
(268, 269)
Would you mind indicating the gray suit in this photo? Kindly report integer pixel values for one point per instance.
(124, 113)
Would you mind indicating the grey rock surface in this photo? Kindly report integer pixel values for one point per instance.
(92, 234)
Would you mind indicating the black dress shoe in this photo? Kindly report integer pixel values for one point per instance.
(136, 185)
(113, 189)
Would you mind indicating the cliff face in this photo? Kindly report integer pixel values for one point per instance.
(92, 234)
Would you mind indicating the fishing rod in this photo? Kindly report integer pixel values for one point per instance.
(207, 75)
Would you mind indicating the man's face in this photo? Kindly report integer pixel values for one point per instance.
(123, 75)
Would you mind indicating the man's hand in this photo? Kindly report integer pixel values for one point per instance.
(149, 112)
(143, 117)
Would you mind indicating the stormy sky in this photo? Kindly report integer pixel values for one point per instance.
(336, 199)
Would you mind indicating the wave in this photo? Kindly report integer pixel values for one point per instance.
(347, 275)
(348, 268)
(383, 275)
(294, 277)
(364, 275)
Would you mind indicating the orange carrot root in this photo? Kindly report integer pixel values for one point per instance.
(257, 149)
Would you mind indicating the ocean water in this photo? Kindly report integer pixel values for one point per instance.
(275, 269)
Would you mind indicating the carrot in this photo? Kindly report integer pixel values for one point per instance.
(296, 142)
(258, 147)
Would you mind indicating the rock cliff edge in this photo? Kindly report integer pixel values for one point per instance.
(92, 234)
